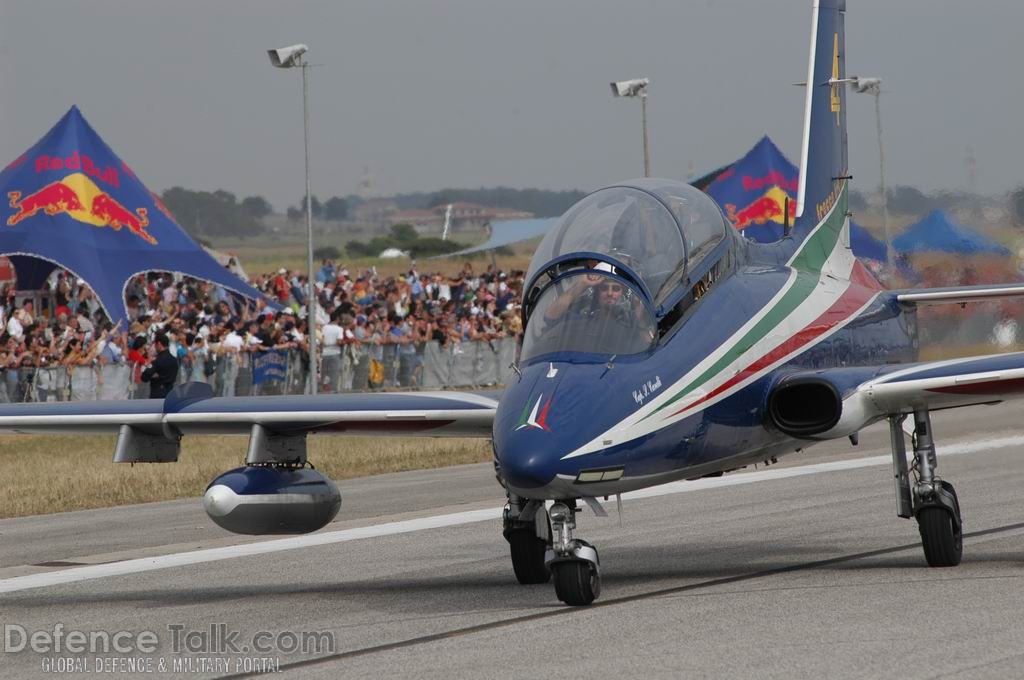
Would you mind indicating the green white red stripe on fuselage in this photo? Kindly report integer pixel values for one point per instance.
(827, 288)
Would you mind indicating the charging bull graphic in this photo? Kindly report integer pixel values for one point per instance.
(767, 208)
(79, 198)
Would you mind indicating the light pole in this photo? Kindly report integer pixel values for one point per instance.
(873, 86)
(637, 88)
(289, 57)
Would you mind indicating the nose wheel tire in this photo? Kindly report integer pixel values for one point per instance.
(528, 556)
(577, 582)
(942, 540)
(574, 563)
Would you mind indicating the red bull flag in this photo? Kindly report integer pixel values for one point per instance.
(70, 201)
(753, 191)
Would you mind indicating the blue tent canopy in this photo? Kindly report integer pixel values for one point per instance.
(937, 233)
(752, 191)
(864, 244)
(762, 172)
(74, 203)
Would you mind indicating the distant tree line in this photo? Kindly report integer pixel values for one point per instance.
(219, 213)
(210, 214)
(907, 200)
(336, 208)
(206, 214)
(540, 202)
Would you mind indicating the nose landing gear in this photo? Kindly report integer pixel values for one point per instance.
(542, 546)
(574, 563)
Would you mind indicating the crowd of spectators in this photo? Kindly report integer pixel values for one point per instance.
(358, 314)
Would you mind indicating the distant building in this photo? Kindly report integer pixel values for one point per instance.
(375, 211)
(465, 217)
(422, 220)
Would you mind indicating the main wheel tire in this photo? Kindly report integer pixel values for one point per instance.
(528, 556)
(577, 582)
(943, 543)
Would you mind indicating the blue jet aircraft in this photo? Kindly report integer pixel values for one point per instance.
(659, 345)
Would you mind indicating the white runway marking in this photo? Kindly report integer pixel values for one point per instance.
(77, 574)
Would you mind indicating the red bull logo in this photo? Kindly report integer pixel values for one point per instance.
(79, 198)
(77, 162)
(773, 178)
(52, 199)
(768, 208)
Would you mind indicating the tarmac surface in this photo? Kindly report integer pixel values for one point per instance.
(800, 570)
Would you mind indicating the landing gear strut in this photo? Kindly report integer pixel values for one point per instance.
(573, 562)
(526, 528)
(930, 499)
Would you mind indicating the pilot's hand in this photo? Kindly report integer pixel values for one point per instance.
(584, 283)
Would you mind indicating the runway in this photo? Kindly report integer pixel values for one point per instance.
(798, 571)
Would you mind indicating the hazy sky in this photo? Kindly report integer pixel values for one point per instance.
(474, 93)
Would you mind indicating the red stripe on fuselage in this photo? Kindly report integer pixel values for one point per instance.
(863, 287)
(863, 275)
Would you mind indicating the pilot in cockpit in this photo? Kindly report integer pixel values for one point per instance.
(570, 297)
(593, 296)
(644, 240)
(611, 301)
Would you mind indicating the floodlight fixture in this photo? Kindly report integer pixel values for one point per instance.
(873, 86)
(630, 88)
(637, 87)
(287, 57)
(866, 85)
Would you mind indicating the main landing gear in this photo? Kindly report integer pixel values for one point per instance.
(929, 499)
(542, 547)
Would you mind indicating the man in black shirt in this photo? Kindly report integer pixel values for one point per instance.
(266, 330)
(163, 371)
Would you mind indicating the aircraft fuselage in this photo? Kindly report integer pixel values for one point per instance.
(695, 404)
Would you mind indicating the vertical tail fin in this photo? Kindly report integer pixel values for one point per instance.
(823, 161)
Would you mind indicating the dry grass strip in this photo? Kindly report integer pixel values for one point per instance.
(45, 474)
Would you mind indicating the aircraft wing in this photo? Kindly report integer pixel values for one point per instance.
(837, 402)
(191, 409)
(957, 294)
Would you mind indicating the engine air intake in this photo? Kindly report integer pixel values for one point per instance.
(803, 407)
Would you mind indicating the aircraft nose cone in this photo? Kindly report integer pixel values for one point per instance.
(526, 470)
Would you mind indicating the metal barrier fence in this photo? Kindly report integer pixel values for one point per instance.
(429, 365)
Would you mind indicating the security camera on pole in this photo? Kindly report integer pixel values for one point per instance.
(634, 88)
(289, 57)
